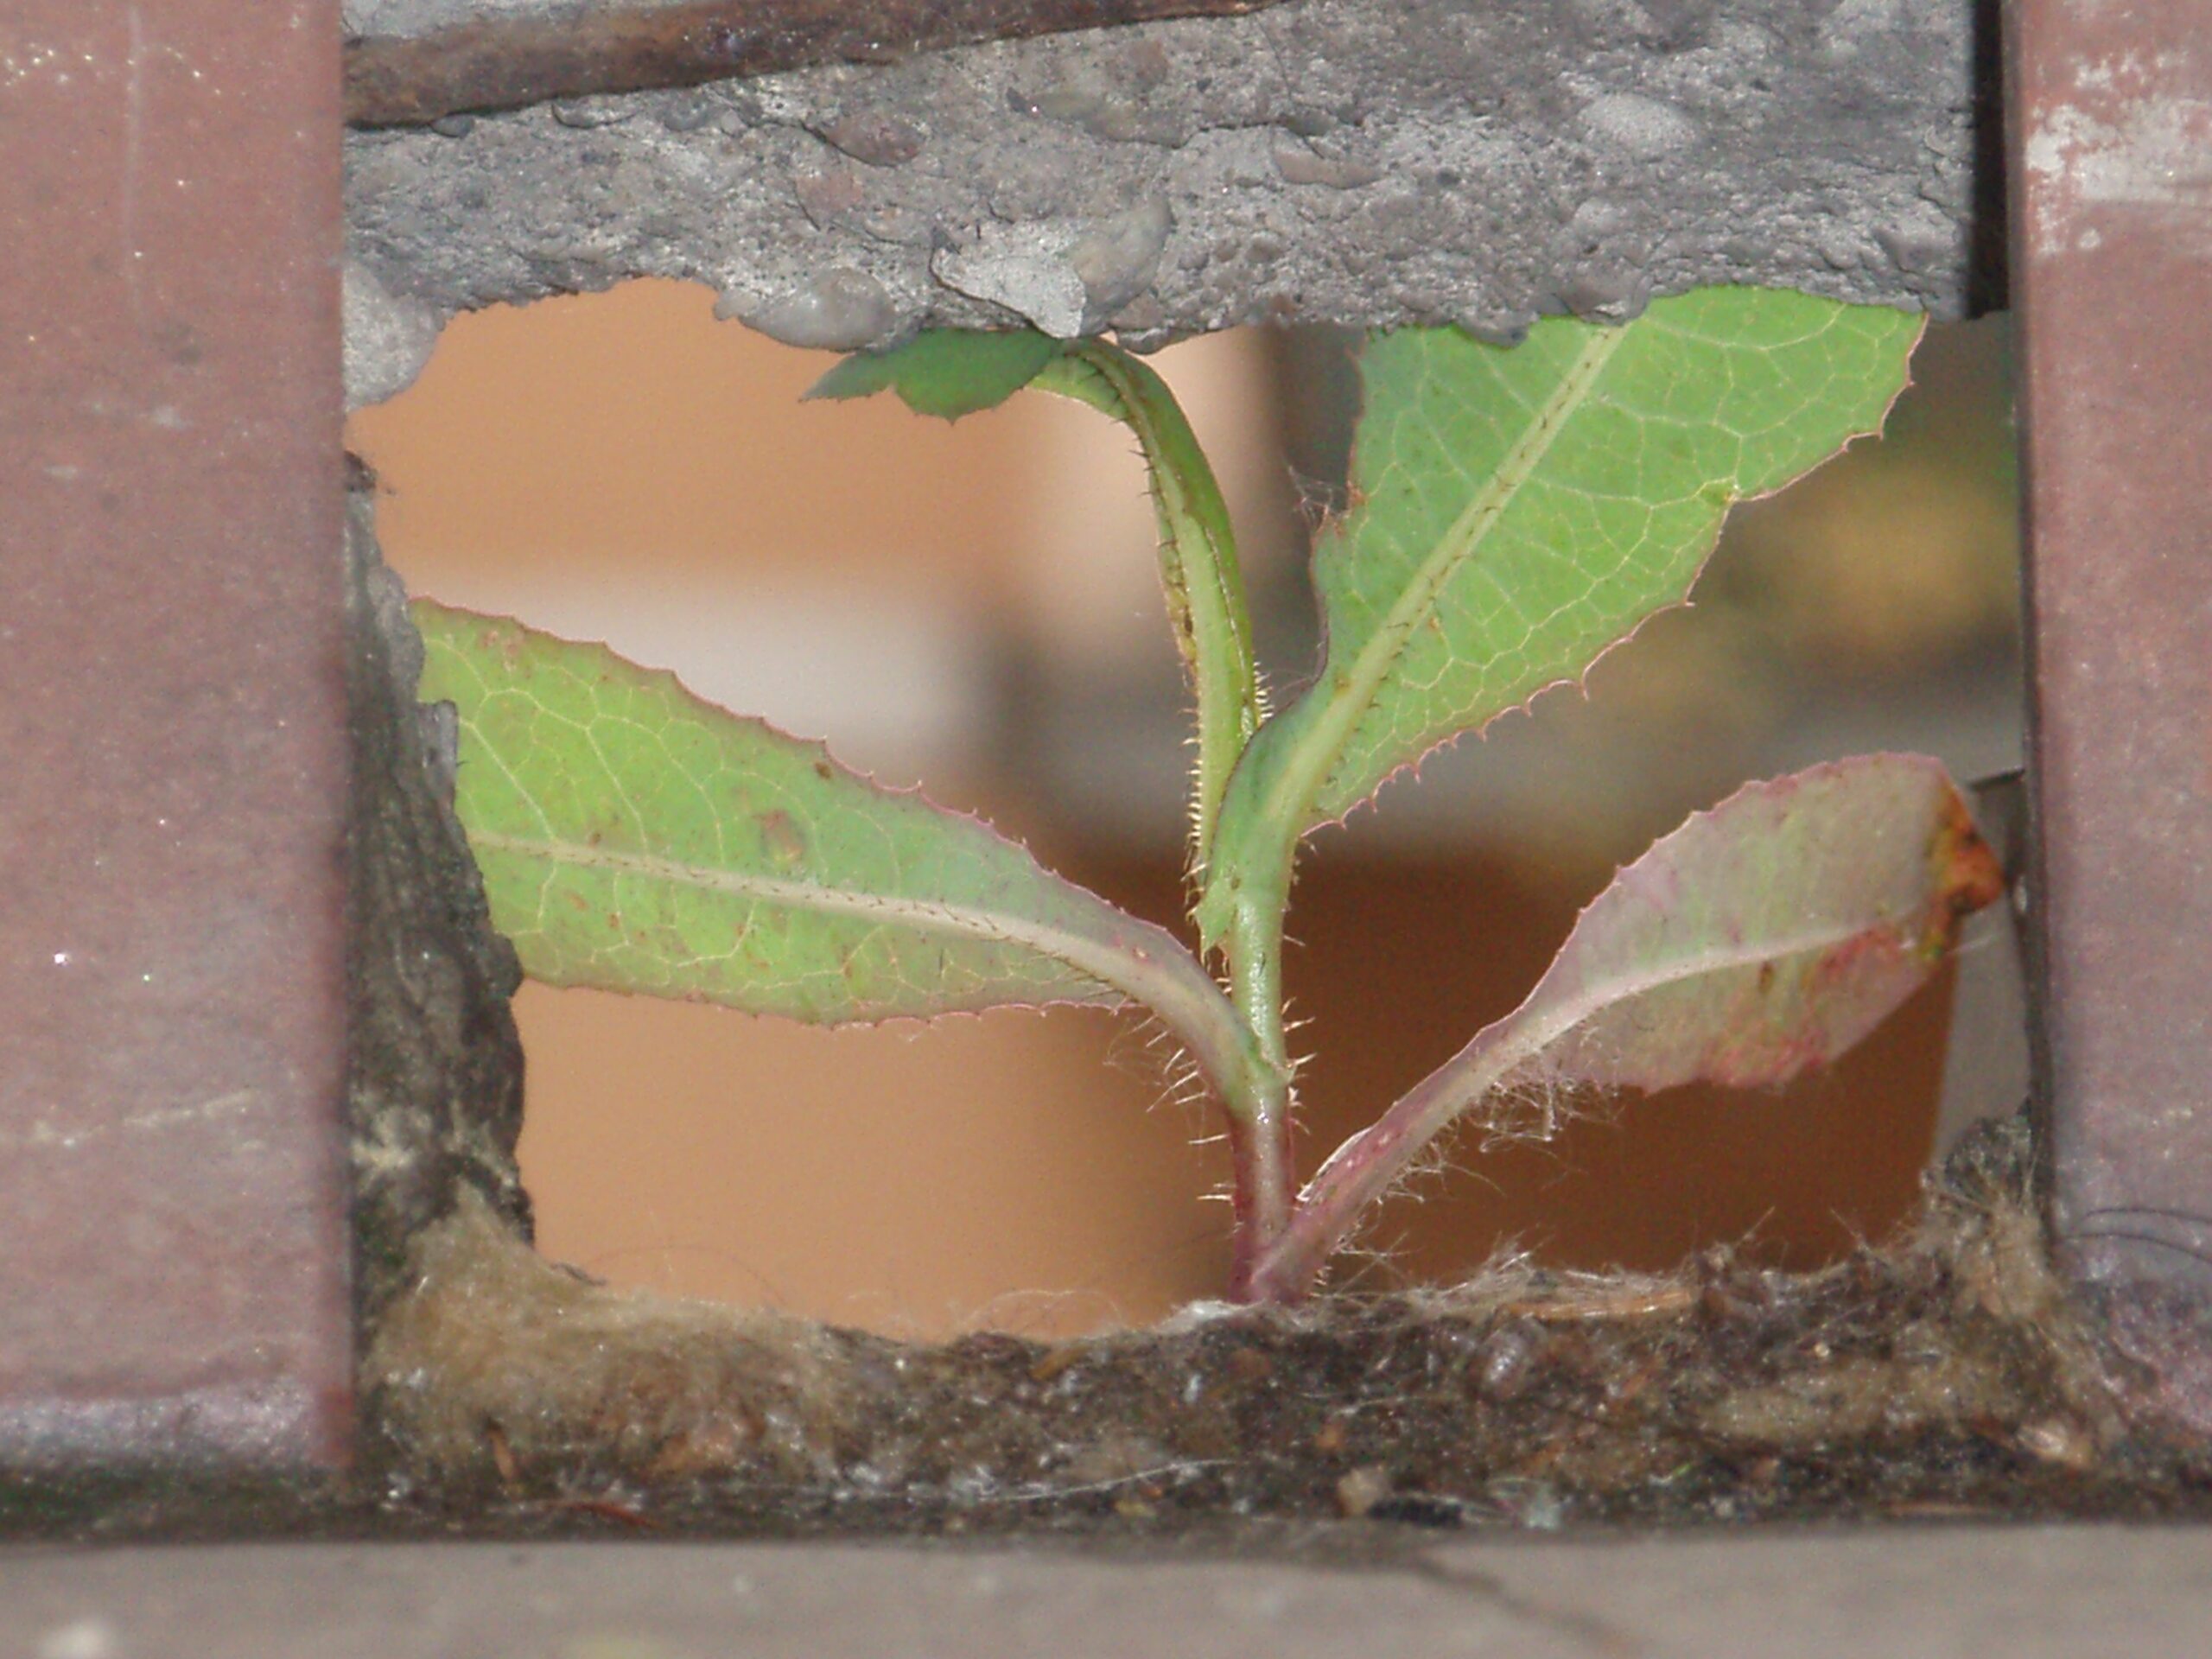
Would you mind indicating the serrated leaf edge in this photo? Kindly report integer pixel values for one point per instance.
(1151, 967)
(1369, 1161)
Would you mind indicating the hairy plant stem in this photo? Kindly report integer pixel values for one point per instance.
(1260, 1145)
(1363, 1167)
(1205, 587)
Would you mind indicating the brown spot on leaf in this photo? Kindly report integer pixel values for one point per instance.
(782, 839)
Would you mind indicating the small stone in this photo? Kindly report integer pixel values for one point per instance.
(1843, 253)
(1919, 246)
(586, 114)
(389, 337)
(1362, 1489)
(1087, 103)
(841, 310)
(1028, 275)
(1115, 260)
(1146, 65)
(874, 137)
(1508, 1361)
(901, 226)
(1605, 292)
(690, 114)
(827, 194)
(2059, 1441)
(1300, 162)
(1639, 125)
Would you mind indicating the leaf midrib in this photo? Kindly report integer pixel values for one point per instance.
(977, 921)
(1349, 704)
(1598, 997)
(1139, 960)
(1531, 1030)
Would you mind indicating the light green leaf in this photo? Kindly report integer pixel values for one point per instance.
(637, 838)
(944, 371)
(1764, 936)
(1516, 512)
(952, 373)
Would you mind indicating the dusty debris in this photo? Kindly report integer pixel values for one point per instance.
(1944, 1374)
(502, 1363)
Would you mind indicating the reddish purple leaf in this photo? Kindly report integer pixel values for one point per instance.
(1765, 935)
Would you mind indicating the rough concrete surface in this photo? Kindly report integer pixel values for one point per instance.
(1902, 1593)
(434, 1072)
(1373, 162)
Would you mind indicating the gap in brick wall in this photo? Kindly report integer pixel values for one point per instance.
(972, 608)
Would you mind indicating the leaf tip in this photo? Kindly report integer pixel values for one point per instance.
(1968, 873)
(858, 376)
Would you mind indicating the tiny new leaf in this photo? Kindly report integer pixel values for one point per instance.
(1764, 936)
(947, 372)
(635, 837)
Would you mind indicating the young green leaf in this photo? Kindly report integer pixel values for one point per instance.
(1764, 936)
(1199, 568)
(945, 372)
(952, 373)
(1204, 583)
(1516, 512)
(634, 837)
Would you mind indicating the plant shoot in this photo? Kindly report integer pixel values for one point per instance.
(1515, 514)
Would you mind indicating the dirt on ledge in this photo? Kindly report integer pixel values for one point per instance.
(1944, 1375)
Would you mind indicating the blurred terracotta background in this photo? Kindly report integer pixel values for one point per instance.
(975, 606)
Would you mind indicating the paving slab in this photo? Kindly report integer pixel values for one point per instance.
(2082, 1593)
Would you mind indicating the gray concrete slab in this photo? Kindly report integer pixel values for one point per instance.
(1372, 162)
(2026, 1592)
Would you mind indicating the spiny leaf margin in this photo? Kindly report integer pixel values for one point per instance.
(634, 837)
(1518, 510)
(1767, 934)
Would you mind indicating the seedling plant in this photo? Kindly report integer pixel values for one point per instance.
(1514, 513)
